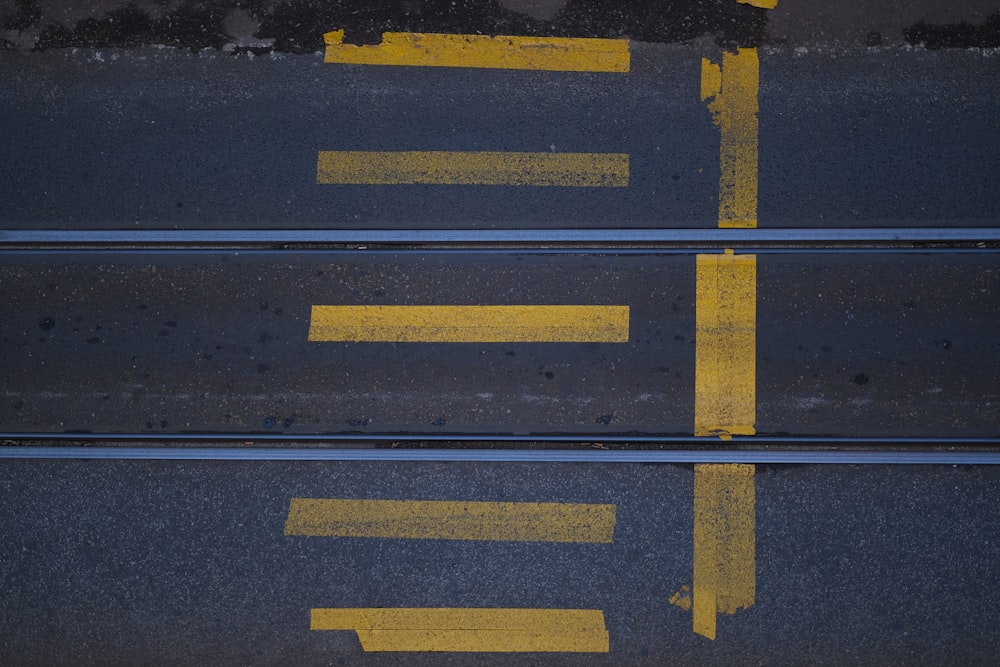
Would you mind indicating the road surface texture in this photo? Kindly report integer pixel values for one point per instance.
(697, 233)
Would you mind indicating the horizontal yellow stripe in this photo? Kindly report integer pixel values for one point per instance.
(451, 520)
(484, 641)
(456, 618)
(528, 53)
(470, 324)
(481, 630)
(582, 170)
(725, 566)
(725, 345)
(761, 4)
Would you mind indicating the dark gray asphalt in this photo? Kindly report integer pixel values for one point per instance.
(119, 563)
(852, 344)
(162, 138)
(210, 116)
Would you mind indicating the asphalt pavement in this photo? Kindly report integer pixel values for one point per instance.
(117, 563)
(161, 138)
(856, 344)
(811, 124)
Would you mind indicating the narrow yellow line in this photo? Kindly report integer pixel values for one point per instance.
(451, 520)
(456, 618)
(760, 4)
(725, 568)
(725, 345)
(733, 92)
(581, 170)
(442, 50)
(479, 630)
(470, 324)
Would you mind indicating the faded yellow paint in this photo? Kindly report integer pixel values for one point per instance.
(760, 4)
(725, 344)
(732, 92)
(470, 324)
(725, 566)
(480, 630)
(581, 170)
(560, 54)
(711, 79)
(452, 520)
(682, 598)
(725, 569)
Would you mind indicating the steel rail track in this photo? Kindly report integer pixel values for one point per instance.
(498, 250)
(799, 457)
(34, 241)
(528, 236)
(456, 438)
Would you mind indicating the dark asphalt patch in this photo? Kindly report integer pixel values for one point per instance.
(27, 13)
(985, 35)
(129, 27)
(297, 26)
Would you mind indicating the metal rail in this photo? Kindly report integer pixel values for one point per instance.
(869, 457)
(545, 236)
(457, 438)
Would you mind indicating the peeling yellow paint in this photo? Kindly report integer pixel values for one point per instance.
(760, 4)
(725, 565)
(561, 54)
(725, 345)
(732, 91)
(682, 598)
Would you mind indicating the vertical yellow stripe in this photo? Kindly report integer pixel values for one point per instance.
(725, 345)
(561, 54)
(725, 568)
(733, 91)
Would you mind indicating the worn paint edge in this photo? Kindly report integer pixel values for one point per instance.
(725, 566)
(469, 629)
(725, 344)
(561, 54)
(732, 92)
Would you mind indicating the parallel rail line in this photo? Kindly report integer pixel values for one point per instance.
(610, 237)
(800, 457)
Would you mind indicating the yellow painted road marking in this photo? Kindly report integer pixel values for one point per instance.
(451, 520)
(470, 324)
(481, 630)
(528, 53)
(725, 345)
(724, 559)
(682, 598)
(733, 91)
(725, 568)
(581, 170)
(761, 4)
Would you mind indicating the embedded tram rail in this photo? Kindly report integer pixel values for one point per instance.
(456, 343)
